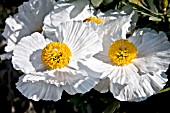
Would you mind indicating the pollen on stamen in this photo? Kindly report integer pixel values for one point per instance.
(56, 55)
(93, 19)
(122, 52)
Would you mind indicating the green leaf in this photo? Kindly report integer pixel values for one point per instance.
(164, 90)
(168, 12)
(153, 18)
(96, 3)
(112, 108)
(145, 10)
(105, 2)
(152, 6)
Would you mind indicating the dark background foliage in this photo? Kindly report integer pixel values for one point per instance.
(12, 101)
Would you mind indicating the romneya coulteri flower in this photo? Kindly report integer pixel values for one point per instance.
(30, 18)
(81, 10)
(132, 67)
(51, 65)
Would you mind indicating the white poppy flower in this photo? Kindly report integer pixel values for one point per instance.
(81, 10)
(63, 11)
(29, 19)
(52, 65)
(133, 68)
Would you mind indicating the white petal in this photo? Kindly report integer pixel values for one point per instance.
(136, 40)
(128, 9)
(124, 74)
(145, 86)
(153, 43)
(29, 19)
(156, 81)
(56, 16)
(82, 10)
(39, 90)
(119, 27)
(142, 31)
(159, 61)
(78, 10)
(103, 86)
(130, 92)
(82, 40)
(103, 55)
(6, 56)
(72, 81)
(63, 76)
(87, 84)
(69, 89)
(97, 68)
(82, 81)
(26, 56)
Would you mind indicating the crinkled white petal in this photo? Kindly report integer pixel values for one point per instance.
(119, 27)
(81, 39)
(86, 85)
(103, 55)
(103, 86)
(76, 81)
(153, 43)
(102, 28)
(127, 92)
(159, 61)
(128, 9)
(153, 51)
(57, 16)
(115, 30)
(6, 56)
(145, 87)
(97, 68)
(77, 10)
(153, 83)
(142, 31)
(29, 19)
(137, 40)
(71, 80)
(27, 53)
(69, 89)
(124, 74)
(82, 10)
(39, 90)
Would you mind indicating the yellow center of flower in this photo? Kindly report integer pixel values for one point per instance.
(94, 19)
(122, 52)
(56, 55)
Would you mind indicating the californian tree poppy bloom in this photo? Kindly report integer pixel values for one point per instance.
(132, 68)
(30, 19)
(51, 65)
(81, 10)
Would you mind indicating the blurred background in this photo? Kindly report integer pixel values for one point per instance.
(152, 13)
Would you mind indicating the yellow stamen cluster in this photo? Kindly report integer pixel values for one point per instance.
(56, 55)
(122, 52)
(94, 19)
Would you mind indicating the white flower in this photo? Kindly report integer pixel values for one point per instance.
(63, 11)
(81, 10)
(29, 19)
(133, 68)
(52, 65)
